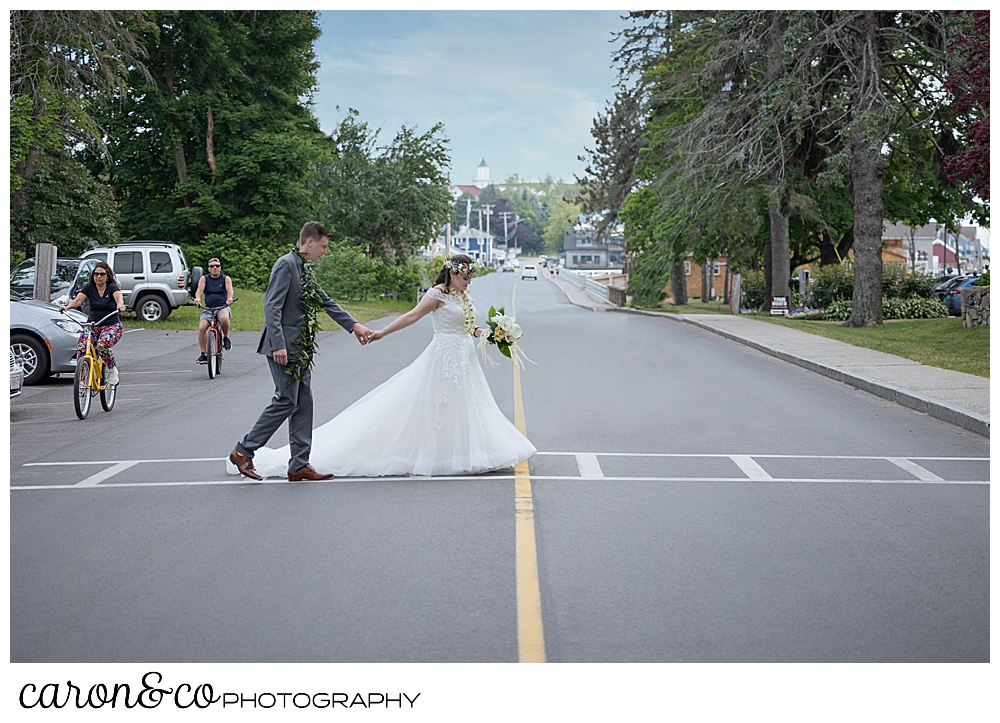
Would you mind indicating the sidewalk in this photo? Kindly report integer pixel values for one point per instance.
(961, 399)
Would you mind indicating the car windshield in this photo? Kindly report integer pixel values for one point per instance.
(950, 283)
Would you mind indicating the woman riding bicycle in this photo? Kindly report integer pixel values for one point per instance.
(105, 297)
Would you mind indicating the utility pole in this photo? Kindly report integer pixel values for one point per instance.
(489, 212)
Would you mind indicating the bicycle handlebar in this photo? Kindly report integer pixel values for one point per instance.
(93, 323)
(217, 308)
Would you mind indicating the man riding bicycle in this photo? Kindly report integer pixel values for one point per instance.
(218, 290)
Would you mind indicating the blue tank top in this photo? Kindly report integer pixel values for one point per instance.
(215, 291)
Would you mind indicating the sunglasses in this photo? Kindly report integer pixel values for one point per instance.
(214, 266)
(100, 273)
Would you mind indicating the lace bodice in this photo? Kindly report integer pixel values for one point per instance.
(449, 318)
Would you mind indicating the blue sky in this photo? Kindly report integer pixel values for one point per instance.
(518, 88)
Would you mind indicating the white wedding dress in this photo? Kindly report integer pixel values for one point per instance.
(435, 417)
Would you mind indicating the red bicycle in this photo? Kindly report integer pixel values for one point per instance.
(214, 341)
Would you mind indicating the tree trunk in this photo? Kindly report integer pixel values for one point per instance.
(779, 198)
(834, 253)
(780, 253)
(706, 281)
(177, 144)
(867, 168)
(767, 277)
(209, 145)
(678, 284)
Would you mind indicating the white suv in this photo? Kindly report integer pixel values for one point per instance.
(153, 276)
(529, 271)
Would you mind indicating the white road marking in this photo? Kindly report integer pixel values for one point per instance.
(96, 479)
(750, 468)
(589, 467)
(42, 404)
(768, 456)
(489, 478)
(130, 462)
(915, 469)
(179, 371)
(587, 463)
(570, 454)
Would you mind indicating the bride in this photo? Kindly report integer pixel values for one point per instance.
(435, 417)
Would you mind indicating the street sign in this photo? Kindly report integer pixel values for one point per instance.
(779, 306)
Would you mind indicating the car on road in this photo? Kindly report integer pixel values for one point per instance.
(528, 271)
(508, 266)
(22, 277)
(42, 340)
(951, 295)
(16, 376)
(153, 276)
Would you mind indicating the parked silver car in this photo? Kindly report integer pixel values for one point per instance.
(153, 276)
(22, 277)
(42, 340)
(16, 376)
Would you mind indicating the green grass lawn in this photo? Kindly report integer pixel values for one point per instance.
(943, 343)
(248, 313)
(694, 306)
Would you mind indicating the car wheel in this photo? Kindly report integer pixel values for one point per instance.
(33, 355)
(152, 308)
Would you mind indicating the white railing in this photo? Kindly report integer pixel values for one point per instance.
(594, 289)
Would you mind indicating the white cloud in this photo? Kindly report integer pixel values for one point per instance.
(519, 88)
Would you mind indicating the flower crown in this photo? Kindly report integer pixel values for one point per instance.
(463, 268)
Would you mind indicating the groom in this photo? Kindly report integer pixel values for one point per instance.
(284, 322)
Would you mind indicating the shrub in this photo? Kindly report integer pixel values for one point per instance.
(829, 283)
(752, 289)
(900, 285)
(248, 261)
(347, 273)
(895, 308)
(983, 280)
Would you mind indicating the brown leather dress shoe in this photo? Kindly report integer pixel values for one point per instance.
(307, 473)
(244, 464)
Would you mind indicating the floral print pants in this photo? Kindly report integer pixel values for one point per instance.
(104, 338)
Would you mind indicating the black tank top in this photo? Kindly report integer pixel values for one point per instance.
(215, 291)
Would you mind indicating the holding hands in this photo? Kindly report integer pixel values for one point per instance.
(364, 334)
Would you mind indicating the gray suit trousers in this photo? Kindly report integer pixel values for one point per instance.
(293, 402)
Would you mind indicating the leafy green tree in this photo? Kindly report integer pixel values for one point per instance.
(220, 140)
(63, 205)
(61, 63)
(563, 216)
(388, 200)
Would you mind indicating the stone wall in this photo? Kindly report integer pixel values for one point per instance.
(975, 306)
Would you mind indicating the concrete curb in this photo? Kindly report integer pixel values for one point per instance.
(973, 421)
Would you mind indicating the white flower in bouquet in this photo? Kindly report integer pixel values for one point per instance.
(504, 332)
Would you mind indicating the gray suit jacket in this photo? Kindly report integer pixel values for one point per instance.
(282, 309)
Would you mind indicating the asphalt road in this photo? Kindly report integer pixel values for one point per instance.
(694, 500)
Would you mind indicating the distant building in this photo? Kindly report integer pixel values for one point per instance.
(481, 181)
(469, 241)
(695, 274)
(582, 249)
(931, 248)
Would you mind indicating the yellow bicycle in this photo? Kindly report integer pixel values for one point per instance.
(90, 377)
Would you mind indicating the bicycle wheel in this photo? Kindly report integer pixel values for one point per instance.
(81, 388)
(218, 361)
(211, 353)
(109, 393)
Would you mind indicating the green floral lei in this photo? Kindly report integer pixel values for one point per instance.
(301, 362)
(465, 302)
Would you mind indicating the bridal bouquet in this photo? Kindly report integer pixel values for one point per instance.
(504, 332)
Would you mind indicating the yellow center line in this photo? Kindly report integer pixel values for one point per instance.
(530, 638)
